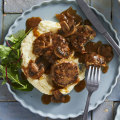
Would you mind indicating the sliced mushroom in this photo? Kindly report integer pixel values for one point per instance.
(62, 51)
(64, 26)
(86, 31)
(71, 32)
(78, 42)
(35, 71)
(42, 43)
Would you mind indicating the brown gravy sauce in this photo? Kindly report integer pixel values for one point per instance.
(80, 56)
(67, 98)
(56, 87)
(80, 86)
(46, 99)
(32, 22)
(35, 32)
(92, 46)
(105, 69)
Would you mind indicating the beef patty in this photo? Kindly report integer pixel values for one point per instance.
(65, 73)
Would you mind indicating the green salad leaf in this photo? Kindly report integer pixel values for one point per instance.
(10, 58)
(16, 37)
(4, 52)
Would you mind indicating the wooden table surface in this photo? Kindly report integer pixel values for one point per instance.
(10, 109)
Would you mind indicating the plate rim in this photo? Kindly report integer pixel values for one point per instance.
(73, 115)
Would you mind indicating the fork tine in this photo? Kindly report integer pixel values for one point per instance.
(92, 74)
(99, 72)
(89, 73)
(96, 75)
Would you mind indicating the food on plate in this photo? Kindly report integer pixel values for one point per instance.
(53, 56)
(81, 37)
(32, 23)
(70, 16)
(106, 51)
(65, 72)
(94, 59)
(44, 48)
(59, 98)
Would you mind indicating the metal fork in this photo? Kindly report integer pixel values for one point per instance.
(92, 84)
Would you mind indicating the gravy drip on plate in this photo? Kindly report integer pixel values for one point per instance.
(80, 86)
(105, 69)
(57, 96)
(47, 99)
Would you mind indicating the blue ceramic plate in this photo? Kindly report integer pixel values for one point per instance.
(32, 100)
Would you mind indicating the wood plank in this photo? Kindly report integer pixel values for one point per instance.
(103, 6)
(103, 112)
(1, 20)
(116, 16)
(5, 95)
(81, 117)
(18, 6)
(14, 111)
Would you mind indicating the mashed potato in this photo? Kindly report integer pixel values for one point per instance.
(44, 83)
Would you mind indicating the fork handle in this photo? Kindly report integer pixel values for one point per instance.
(85, 114)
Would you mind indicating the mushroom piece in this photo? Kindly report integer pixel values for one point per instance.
(106, 51)
(71, 32)
(67, 31)
(78, 41)
(87, 32)
(70, 16)
(61, 48)
(42, 43)
(35, 71)
(81, 37)
(95, 60)
(62, 51)
(64, 26)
